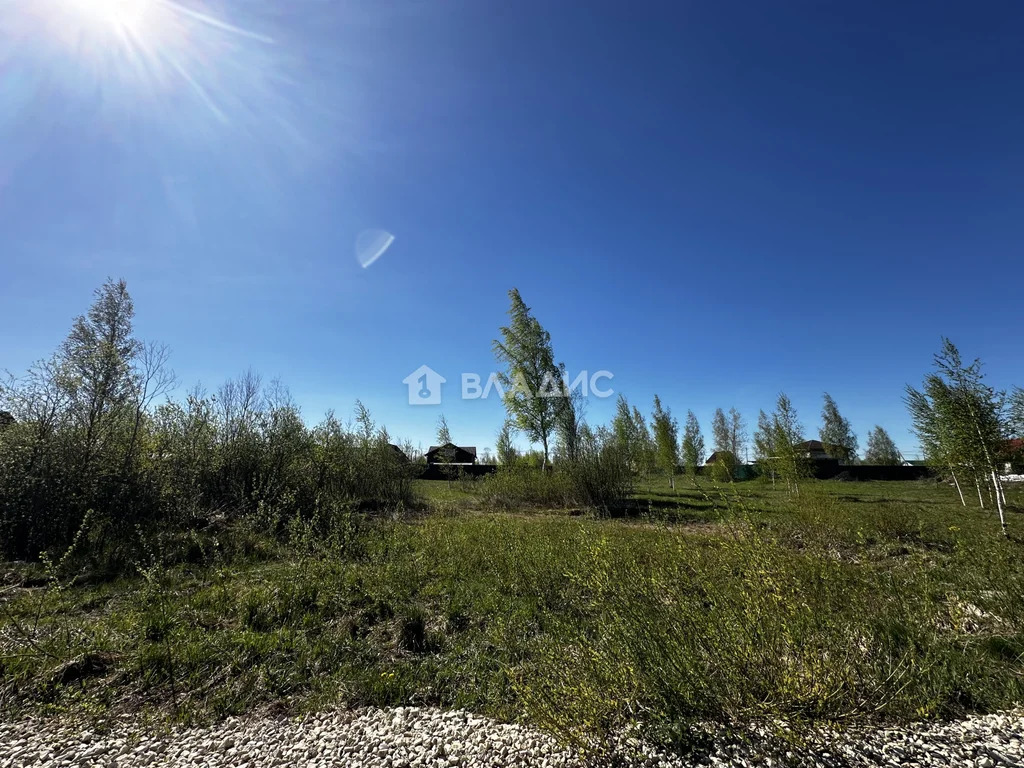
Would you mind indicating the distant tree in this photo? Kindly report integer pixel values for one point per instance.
(729, 437)
(6, 419)
(881, 450)
(777, 438)
(631, 435)
(365, 425)
(646, 452)
(737, 434)
(568, 422)
(835, 433)
(446, 454)
(505, 447)
(1016, 413)
(623, 429)
(444, 435)
(693, 444)
(764, 446)
(961, 421)
(96, 361)
(720, 434)
(719, 431)
(486, 457)
(666, 440)
(533, 382)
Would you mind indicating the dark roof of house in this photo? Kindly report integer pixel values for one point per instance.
(471, 449)
(810, 445)
(402, 454)
(719, 454)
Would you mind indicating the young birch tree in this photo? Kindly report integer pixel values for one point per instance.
(693, 445)
(446, 454)
(934, 434)
(720, 435)
(666, 440)
(836, 434)
(965, 418)
(737, 434)
(645, 449)
(630, 432)
(764, 445)
(505, 447)
(532, 381)
(881, 450)
(1016, 413)
(569, 423)
(786, 434)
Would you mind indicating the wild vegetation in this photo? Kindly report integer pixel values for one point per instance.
(217, 554)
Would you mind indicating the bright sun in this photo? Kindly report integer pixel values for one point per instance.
(136, 53)
(122, 17)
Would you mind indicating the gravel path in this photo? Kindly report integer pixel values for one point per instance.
(428, 738)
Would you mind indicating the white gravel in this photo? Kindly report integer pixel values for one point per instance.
(428, 738)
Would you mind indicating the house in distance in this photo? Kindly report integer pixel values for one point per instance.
(450, 454)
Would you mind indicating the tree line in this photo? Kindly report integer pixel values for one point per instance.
(94, 448)
(525, 350)
(964, 426)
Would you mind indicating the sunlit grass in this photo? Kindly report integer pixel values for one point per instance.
(861, 601)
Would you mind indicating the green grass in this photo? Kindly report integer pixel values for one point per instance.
(859, 601)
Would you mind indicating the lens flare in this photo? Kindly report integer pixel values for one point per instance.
(122, 17)
(371, 244)
(240, 85)
(137, 53)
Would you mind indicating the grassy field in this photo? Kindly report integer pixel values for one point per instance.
(856, 601)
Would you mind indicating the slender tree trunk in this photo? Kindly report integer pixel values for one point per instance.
(999, 503)
(981, 500)
(957, 484)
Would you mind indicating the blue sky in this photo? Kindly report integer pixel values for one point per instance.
(713, 201)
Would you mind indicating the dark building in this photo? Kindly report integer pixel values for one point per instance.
(451, 454)
(812, 449)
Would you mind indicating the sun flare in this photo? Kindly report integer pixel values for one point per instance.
(201, 71)
(121, 17)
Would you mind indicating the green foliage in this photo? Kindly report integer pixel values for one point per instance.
(634, 441)
(777, 438)
(504, 446)
(666, 439)
(693, 444)
(721, 435)
(737, 434)
(86, 435)
(534, 389)
(961, 422)
(881, 449)
(836, 433)
(599, 479)
(1016, 413)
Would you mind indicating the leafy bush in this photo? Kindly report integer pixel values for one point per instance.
(83, 433)
(597, 478)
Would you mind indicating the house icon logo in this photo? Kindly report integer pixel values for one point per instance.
(424, 386)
